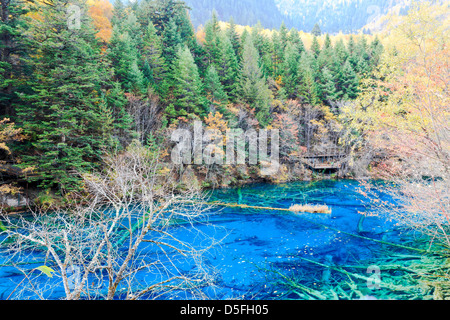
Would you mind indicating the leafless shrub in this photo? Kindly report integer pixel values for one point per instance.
(144, 113)
(120, 242)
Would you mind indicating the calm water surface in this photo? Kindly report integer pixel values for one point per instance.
(258, 245)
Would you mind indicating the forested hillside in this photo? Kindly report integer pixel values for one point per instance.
(122, 125)
(332, 16)
(78, 93)
(244, 12)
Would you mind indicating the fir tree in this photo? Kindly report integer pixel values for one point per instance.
(228, 67)
(118, 13)
(211, 34)
(155, 68)
(315, 47)
(253, 86)
(12, 49)
(171, 40)
(350, 81)
(277, 55)
(329, 86)
(284, 35)
(124, 56)
(66, 117)
(215, 92)
(187, 100)
(294, 38)
(327, 43)
(316, 30)
(290, 68)
(307, 87)
(233, 36)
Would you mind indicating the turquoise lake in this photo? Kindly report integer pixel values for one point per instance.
(261, 248)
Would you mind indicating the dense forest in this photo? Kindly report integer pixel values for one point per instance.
(75, 93)
(80, 82)
(95, 98)
(332, 16)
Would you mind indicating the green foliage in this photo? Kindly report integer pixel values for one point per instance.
(46, 270)
(154, 65)
(214, 91)
(70, 93)
(291, 69)
(171, 41)
(228, 67)
(253, 87)
(307, 86)
(316, 30)
(64, 113)
(188, 100)
(329, 87)
(315, 47)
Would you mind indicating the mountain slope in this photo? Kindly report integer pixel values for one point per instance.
(332, 15)
(244, 12)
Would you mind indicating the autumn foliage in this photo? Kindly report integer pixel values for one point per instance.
(101, 12)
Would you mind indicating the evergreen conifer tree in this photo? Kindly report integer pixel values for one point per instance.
(252, 84)
(316, 30)
(329, 86)
(350, 81)
(307, 87)
(315, 47)
(155, 68)
(211, 39)
(188, 100)
(171, 40)
(124, 57)
(215, 92)
(233, 36)
(66, 114)
(290, 69)
(228, 67)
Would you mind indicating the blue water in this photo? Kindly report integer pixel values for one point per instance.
(255, 243)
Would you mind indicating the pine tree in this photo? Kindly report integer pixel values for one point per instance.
(12, 49)
(124, 57)
(215, 92)
(329, 86)
(228, 67)
(172, 41)
(65, 116)
(188, 99)
(290, 68)
(252, 85)
(350, 81)
(316, 30)
(307, 87)
(233, 36)
(315, 47)
(211, 33)
(155, 68)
